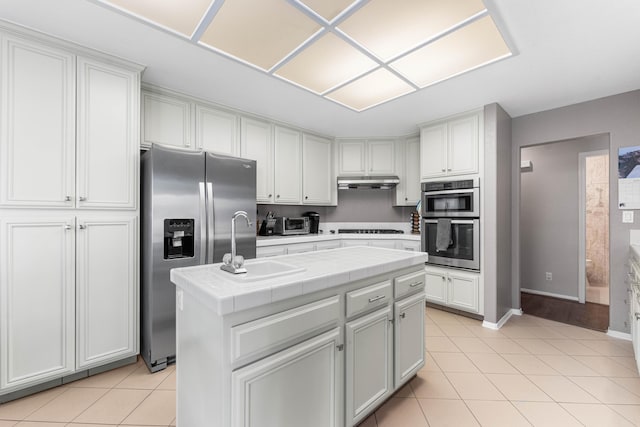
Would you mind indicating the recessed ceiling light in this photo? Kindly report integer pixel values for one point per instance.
(477, 44)
(375, 88)
(325, 64)
(328, 9)
(261, 32)
(171, 14)
(390, 28)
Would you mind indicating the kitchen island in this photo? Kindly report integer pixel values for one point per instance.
(316, 339)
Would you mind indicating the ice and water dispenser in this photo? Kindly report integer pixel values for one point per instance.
(178, 238)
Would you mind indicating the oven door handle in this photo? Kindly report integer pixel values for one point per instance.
(460, 191)
(453, 221)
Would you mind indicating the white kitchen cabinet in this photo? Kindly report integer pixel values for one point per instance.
(318, 177)
(166, 120)
(256, 143)
(366, 157)
(408, 338)
(408, 191)
(388, 244)
(330, 244)
(451, 147)
(453, 288)
(409, 245)
(37, 299)
(346, 243)
(267, 251)
(300, 248)
(267, 393)
(38, 116)
(217, 131)
(106, 289)
(107, 142)
(369, 363)
(287, 165)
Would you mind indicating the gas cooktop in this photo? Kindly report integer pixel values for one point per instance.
(368, 231)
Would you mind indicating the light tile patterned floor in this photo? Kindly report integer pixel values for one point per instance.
(531, 372)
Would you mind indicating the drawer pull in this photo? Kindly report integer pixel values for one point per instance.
(376, 298)
(413, 285)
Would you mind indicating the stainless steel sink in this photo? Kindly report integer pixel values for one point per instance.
(263, 270)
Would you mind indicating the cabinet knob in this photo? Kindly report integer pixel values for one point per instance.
(270, 195)
(306, 197)
(67, 198)
(278, 196)
(449, 169)
(340, 347)
(403, 315)
(406, 198)
(82, 226)
(444, 170)
(82, 198)
(67, 227)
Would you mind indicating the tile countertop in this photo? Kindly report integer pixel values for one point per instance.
(322, 270)
(309, 238)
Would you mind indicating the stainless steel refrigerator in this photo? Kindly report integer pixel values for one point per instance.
(187, 202)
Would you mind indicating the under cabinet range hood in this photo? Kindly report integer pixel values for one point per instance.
(386, 182)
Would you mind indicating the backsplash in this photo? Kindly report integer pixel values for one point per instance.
(353, 206)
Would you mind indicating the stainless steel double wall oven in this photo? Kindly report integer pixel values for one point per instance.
(454, 204)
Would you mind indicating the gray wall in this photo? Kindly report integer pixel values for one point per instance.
(549, 212)
(353, 206)
(617, 115)
(496, 215)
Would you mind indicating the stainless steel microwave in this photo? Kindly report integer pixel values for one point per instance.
(451, 199)
(285, 226)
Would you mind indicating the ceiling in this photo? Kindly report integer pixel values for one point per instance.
(564, 52)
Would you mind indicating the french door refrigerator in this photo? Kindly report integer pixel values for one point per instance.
(187, 202)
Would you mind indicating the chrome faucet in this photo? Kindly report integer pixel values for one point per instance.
(231, 262)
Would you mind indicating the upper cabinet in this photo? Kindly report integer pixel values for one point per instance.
(256, 144)
(48, 164)
(287, 162)
(408, 167)
(165, 120)
(366, 157)
(450, 147)
(319, 185)
(217, 131)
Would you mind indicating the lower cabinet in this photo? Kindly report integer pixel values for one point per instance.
(453, 288)
(299, 386)
(409, 338)
(68, 295)
(369, 366)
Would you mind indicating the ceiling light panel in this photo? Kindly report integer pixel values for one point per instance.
(472, 46)
(370, 90)
(328, 9)
(177, 15)
(388, 28)
(261, 32)
(325, 64)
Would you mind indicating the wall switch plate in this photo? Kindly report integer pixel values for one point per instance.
(548, 276)
(627, 217)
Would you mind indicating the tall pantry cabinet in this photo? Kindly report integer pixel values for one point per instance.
(69, 156)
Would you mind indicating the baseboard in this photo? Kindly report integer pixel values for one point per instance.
(619, 335)
(549, 294)
(503, 320)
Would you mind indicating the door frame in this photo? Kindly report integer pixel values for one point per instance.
(582, 199)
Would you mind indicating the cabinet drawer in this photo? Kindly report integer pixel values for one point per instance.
(271, 332)
(408, 284)
(372, 296)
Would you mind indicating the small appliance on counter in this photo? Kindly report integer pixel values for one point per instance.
(314, 221)
(285, 226)
(268, 226)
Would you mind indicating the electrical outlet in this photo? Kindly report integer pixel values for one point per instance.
(548, 276)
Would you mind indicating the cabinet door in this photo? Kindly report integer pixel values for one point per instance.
(267, 251)
(299, 386)
(166, 120)
(217, 131)
(352, 158)
(436, 287)
(37, 139)
(433, 151)
(256, 144)
(300, 248)
(463, 291)
(463, 146)
(410, 246)
(369, 353)
(409, 337)
(108, 136)
(287, 162)
(381, 158)
(106, 295)
(318, 179)
(37, 316)
(412, 172)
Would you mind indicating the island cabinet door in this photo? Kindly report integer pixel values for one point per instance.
(369, 366)
(299, 386)
(408, 337)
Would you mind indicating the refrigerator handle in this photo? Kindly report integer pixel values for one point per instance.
(203, 224)
(210, 234)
